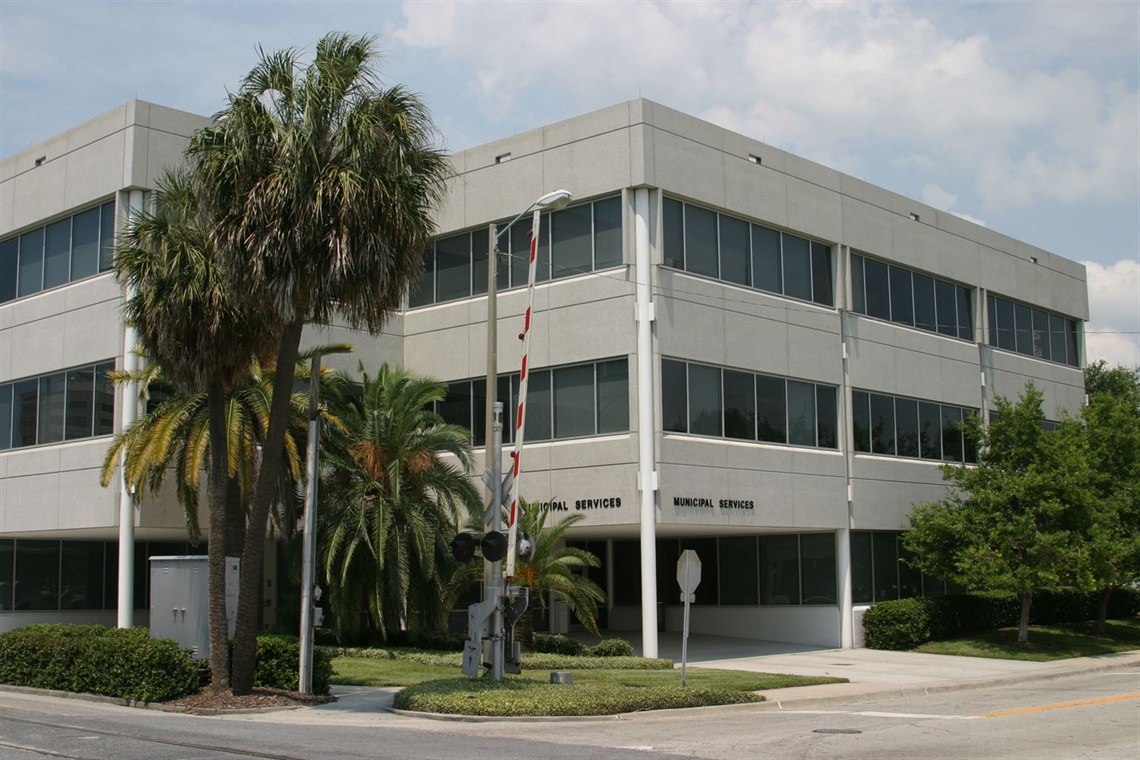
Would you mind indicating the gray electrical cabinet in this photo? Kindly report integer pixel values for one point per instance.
(179, 601)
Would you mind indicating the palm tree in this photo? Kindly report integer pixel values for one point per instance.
(180, 302)
(555, 569)
(391, 501)
(323, 183)
(172, 438)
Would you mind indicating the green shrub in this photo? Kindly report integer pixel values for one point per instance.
(516, 696)
(556, 643)
(279, 660)
(612, 648)
(899, 624)
(1124, 603)
(1061, 605)
(95, 659)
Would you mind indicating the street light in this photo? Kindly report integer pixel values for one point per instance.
(492, 518)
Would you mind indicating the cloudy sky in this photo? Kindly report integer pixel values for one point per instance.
(1021, 116)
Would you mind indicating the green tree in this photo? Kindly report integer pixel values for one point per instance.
(1009, 523)
(555, 569)
(323, 184)
(179, 300)
(396, 485)
(1111, 439)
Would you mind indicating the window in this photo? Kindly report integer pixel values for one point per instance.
(563, 402)
(1032, 332)
(879, 569)
(64, 251)
(77, 403)
(896, 294)
(738, 565)
(716, 245)
(905, 427)
(581, 238)
(703, 400)
(779, 569)
(817, 568)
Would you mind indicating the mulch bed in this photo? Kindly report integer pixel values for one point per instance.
(262, 698)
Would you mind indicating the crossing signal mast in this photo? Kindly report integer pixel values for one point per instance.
(491, 622)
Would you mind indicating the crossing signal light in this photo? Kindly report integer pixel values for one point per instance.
(463, 547)
(494, 546)
(524, 549)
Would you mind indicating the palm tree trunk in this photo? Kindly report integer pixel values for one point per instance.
(249, 593)
(235, 518)
(216, 552)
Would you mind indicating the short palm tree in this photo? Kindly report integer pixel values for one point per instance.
(395, 489)
(555, 570)
(323, 183)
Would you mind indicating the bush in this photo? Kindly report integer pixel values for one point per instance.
(907, 623)
(279, 660)
(95, 659)
(611, 648)
(899, 624)
(556, 643)
(524, 697)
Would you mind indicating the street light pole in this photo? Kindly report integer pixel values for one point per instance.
(493, 457)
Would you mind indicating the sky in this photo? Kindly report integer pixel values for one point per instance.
(1022, 116)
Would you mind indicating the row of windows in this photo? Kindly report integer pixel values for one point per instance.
(577, 239)
(879, 570)
(906, 427)
(75, 403)
(716, 245)
(704, 400)
(563, 402)
(899, 295)
(1033, 332)
(777, 569)
(56, 254)
(73, 575)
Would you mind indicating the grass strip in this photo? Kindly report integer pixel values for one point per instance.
(1046, 643)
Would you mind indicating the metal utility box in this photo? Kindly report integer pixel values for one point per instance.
(179, 601)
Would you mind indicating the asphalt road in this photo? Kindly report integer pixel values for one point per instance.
(1093, 715)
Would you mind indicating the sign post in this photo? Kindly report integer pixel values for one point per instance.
(688, 578)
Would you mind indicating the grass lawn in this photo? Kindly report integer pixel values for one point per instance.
(1046, 642)
(359, 671)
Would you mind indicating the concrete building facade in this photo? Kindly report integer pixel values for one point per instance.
(734, 350)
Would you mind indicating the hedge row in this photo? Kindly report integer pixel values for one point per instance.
(907, 623)
(557, 643)
(127, 663)
(95, 659)
(512, 697)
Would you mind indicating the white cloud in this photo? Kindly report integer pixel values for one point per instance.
(829, 81)
(1113, 329)
(940, 198)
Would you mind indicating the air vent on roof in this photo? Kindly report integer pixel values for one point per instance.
(503, 158)
(754, 158)
(40, 160)
(914, 216)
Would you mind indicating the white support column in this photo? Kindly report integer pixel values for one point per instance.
(843, 586)
(647, 471)
(127, 415)
(843, 535)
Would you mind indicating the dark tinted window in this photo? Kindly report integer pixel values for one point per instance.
(734, 252)
(572, 233)
(797, 267)
(766, 267)
(878, 289)
(704, 400)
(701, 241)
(607, 233)
(771, 409)
(57, 254)
(739, 570)
(779, 570)
(613, 396)
(674, 397)
(739, 405)
(902, 304)
(821, 288)
(673, 227)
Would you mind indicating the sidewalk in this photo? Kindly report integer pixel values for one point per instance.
(872, 674)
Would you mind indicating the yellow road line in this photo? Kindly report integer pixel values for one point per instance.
(1059, 705)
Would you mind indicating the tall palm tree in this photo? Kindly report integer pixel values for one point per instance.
(323, 183)
(395, 491)
(180, 302)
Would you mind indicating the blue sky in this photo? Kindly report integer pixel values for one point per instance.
(1021, 116)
